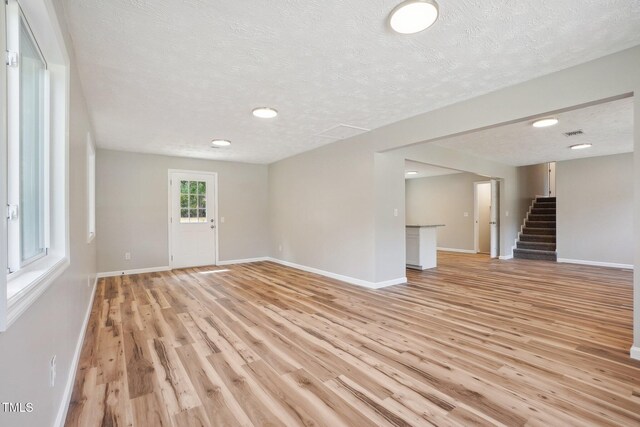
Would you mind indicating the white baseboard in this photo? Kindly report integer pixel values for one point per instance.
(635, 353)
(463, 251)
(68, 389)
(505, 257)
(243, 261)
(347, 279)
(135, 271)
(596, 263)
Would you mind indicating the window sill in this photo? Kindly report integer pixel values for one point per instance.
(24, 289)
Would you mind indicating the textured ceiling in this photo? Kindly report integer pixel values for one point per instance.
(425, 170)
(608, 126)
(167, 76)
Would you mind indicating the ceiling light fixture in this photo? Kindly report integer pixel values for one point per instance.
(580, 146)
(543, 123)
(412, 173)
(220, 143)
(413, 16)
(264, 112)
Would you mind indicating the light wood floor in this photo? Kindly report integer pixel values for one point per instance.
(475, 342)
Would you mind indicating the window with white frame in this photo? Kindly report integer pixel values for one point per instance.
(91, 189)
(28, 235)
(35, 167)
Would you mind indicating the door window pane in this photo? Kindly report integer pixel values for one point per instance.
(193, 201)
(32, 137)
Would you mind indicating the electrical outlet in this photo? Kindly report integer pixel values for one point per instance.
(127, 256)
(52, 371)
(395, 212)
(466, 214)
(221, 220)
(280, 247)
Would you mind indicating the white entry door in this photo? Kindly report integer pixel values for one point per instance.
(495, 218)
(192, 221)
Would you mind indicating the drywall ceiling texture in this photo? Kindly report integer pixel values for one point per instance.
(425, 170)
(166, 76)
(608, 126)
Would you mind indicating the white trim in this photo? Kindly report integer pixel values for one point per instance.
(215, 210)
(596, 263)
(243, 261)
(505, 257)
(22, 300)
(398, 281)
(91, 188)
(41, 16)
(71, 378)
(635, 353)
(347, 279)
(464, 251)
(134, 271)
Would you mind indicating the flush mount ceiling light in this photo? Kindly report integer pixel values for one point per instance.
(543, 123)
(220, 143)
(264, 112)
(413, 16)
(412, 173)
(580, 146)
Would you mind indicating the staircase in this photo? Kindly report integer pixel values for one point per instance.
(537, 239)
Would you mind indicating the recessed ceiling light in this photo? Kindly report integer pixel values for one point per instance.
(543, 123)
(264, 112)
(580, 146)
(412, 173)
(220, 143)
(413, 16)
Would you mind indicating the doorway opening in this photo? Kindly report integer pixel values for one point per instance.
(453, 205)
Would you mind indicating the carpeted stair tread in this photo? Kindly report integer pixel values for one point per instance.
(541, 217)
(541, 246)
(545, 231)
(534, 254)
(538, 238)
(541, 224)
(545, 205)
(543, 211)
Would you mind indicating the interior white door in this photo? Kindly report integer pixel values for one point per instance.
(483, 217)
(552, 179)
(192, 222)
(495, 218)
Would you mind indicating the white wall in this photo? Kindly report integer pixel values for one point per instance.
(321, 209)
(389, 222)
(132, 208)
(595, 209)
(532, 182)
(444, 200)
(52, 325)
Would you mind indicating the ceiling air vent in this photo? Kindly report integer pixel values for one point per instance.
(574, 133)
(341, 131)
